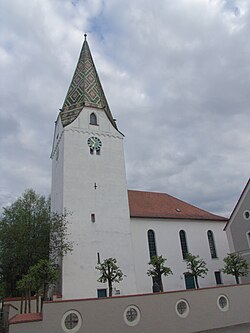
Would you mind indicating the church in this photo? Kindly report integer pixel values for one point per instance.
(106, 219)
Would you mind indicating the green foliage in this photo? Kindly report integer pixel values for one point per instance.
(197, 267)
(59, 245)
(43, 274)
(235, 265)
(29, 232)
(158, 269)
(26, 283)
(38, 279)
(110, 273)
(2, 295)
(25, 287)
(2, 289)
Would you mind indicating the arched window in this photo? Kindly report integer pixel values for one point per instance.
(211, 243)
(183, 241)
(93, 119)
(151, 243)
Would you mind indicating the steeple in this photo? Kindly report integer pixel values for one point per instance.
(85, 89)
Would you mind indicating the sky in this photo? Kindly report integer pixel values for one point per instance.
(176, 75)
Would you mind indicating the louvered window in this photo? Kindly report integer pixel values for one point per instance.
(151, 243)
(183, 242)
(211, 243)
(93, 119)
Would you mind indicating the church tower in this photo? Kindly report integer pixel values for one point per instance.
(89, 181)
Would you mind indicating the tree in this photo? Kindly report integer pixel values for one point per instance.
(29, 232)
(236, 265)
(158, 269)
(2, 295)
(197, 267)
(25, 286)
(110, 273)
(37, 280)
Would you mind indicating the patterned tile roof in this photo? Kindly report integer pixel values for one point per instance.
(85, 89)
(161, 205)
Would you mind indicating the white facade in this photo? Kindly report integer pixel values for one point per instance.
(156, 313)
(92, 188)
(168, 245)
(57, 157)
(238, 228)
(86, 184)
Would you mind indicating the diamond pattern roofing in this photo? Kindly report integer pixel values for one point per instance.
(85, 89)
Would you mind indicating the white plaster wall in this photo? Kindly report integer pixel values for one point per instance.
(157, 313)
(238, 226)
(168, 245)
(57, 156)
(110, 235)
(73, 177)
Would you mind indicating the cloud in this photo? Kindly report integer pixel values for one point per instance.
(176, 78)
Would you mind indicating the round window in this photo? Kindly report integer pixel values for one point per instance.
(223, 303)
(182, 308)
(246, 214)
(131, 315)
(71, 321)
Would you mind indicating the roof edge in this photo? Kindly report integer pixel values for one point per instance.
(222, 219)
(238, 202)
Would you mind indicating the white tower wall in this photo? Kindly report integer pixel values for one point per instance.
(93, 184)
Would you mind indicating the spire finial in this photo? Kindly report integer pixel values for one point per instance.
(85, 36)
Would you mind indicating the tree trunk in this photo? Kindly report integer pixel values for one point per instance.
(2, 303)
(25, 302)
(196, 281)
(160, 284)
(21, 307)
(29, 300)
(45, 291)
(41, 307)
(237, 278)
(44, 296)
(37, 302)
(110, 288)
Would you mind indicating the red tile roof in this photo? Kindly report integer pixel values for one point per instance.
(161, 205)
(26, 317)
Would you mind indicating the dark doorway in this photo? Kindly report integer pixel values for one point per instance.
(101, 293)
(189, 281)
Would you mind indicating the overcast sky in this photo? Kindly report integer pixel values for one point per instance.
(176, 75)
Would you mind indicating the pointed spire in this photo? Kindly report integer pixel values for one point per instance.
(85, 89)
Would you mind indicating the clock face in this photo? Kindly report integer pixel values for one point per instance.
(94, 143)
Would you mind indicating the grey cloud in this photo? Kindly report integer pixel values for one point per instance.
(177, 80)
